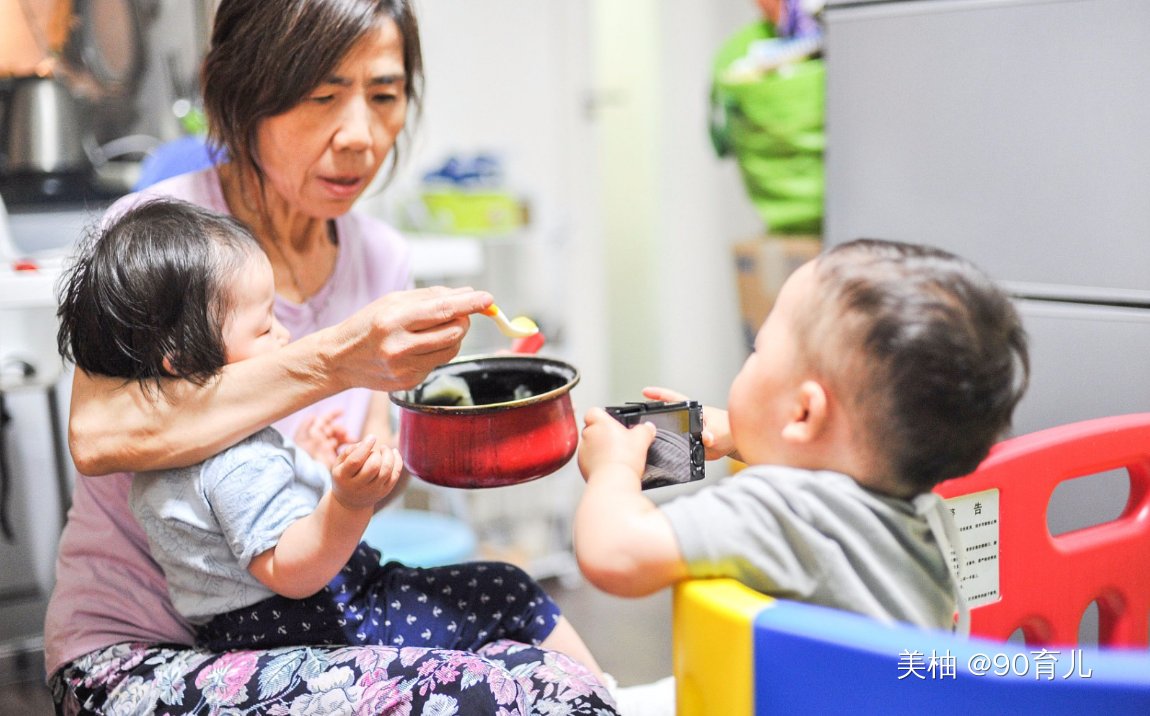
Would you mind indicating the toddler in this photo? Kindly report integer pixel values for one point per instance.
(883, 369)
(260, 544)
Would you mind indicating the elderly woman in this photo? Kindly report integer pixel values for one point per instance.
(305, 99)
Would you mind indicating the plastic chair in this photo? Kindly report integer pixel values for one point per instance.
(185, 154)
(418, 538)
(1046, 583)
(738, 652)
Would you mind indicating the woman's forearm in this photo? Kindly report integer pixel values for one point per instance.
(393, 343)
(116, 426)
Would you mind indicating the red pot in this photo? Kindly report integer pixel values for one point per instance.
(520, 427)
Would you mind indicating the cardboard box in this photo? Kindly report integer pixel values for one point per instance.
(762, 265)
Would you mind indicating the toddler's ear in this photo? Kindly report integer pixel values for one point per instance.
(809, 413)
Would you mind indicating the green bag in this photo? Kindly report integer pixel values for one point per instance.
(773, 124)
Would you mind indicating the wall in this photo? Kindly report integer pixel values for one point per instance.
(671, 208)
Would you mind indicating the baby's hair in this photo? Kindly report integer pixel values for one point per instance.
(928, 350)
(153, 284)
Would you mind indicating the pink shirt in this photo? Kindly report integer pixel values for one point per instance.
(108, 588)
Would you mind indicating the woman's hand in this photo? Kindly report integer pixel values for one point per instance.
(394, 342)
(322, 435)
(716, 424)
(365, 473)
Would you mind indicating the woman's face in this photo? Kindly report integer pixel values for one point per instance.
(319, 156)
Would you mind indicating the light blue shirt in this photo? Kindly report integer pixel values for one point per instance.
(206, 522)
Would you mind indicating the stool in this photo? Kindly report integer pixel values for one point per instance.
(418, 538)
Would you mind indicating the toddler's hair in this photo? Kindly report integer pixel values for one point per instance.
(926, 348)
(153, 284)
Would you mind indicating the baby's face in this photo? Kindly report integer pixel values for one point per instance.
(760, 403)
(252, 328)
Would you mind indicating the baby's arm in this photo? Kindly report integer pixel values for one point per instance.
(624, 544)
(378, 423)
(313, 549)
(324, 436)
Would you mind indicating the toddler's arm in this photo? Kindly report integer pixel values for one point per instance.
(623, 543)
(313, 549)
(716, 425)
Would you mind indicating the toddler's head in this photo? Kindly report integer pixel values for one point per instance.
(167, 290)
(921, 355)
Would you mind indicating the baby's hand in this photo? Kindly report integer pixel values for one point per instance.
(607, 442)
(716, 425)
(365, 473)
(321, 436)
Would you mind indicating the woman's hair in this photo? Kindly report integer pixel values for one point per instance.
(153, 284)
(266, 56)
(925, 348)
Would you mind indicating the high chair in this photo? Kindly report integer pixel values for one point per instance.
(737, 652)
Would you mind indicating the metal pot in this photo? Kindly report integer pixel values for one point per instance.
(519, 427)
(43, 129)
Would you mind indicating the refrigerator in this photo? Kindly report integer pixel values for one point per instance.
(1017, 134)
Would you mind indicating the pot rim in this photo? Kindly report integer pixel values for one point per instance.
(400, 397)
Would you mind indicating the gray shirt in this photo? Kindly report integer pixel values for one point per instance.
(206, 522)
(820, 537)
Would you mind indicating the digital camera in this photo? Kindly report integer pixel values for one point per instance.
(677, 455)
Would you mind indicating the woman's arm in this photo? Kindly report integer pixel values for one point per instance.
(391, 344)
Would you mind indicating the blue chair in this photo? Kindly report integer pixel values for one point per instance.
(419, 538)
(739, 653)
(179, 156)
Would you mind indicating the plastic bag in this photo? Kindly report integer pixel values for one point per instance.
(767, 110)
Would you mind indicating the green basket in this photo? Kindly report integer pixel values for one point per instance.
(773, 124)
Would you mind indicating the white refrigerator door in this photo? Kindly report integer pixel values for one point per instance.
(1013, 132)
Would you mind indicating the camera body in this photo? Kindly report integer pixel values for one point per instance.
(677, 454)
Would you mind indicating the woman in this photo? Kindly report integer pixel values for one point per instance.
(307, 99)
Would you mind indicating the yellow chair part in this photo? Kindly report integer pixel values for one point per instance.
(713, 647)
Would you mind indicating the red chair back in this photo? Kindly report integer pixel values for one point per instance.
(1047, 582)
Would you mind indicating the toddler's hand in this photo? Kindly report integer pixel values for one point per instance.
(606, 442)
(321, 436)
(716, 424)
(365, 473)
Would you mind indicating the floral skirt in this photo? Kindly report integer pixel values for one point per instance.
(504, 678)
